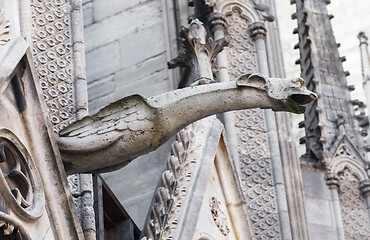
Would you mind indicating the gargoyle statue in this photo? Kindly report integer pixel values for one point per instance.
(134, 126)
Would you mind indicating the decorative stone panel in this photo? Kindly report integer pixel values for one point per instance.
(256, 178)
(353, 207)
(53, 57)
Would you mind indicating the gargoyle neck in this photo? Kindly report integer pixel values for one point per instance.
(179, 108)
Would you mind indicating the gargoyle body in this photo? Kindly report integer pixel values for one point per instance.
(135, 126)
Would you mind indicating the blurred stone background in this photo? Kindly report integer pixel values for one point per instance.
(350, 18)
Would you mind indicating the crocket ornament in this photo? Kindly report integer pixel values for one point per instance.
(134, 125)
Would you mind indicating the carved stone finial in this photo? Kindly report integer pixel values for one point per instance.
(364, 187)
(363, 38)
(217, 21)
(257, 30)
(196, 52)
(332, 180)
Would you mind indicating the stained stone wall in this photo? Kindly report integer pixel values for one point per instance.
(127, 47)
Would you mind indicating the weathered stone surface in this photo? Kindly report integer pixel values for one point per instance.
(88, 12)
(101, 88)
(314, 185)
(318, 232)
(107, 8)
(101, 64)
(141, 45)
(122, 24)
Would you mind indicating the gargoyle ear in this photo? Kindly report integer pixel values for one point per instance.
(252, 80)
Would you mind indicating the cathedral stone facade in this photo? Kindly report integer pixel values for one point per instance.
(206, 151)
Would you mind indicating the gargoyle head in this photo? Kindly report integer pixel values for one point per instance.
(292, 93)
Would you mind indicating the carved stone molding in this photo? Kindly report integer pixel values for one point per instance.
(345, 155)
(20, 183)
(219, 216)
(217, 21)
(250, 10)
(168, 197)
(257, 30)
(332, 180)
(4, 29)
(192, 150)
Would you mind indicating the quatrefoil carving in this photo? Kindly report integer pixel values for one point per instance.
(20, 183)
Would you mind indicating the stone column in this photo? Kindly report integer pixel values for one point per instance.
(217, 24)
(365, 63)
(258, 32)
(333, 184)
(364, 187)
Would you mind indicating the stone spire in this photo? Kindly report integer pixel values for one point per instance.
(331, 116)
(365, 64)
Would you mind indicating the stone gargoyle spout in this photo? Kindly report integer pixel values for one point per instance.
(134, 126)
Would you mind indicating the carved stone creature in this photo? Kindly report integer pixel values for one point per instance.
(134, 126)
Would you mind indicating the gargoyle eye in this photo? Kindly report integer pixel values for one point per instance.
(299, 82)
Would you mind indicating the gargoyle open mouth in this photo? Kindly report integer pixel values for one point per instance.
(303, 98)
(296, 102)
